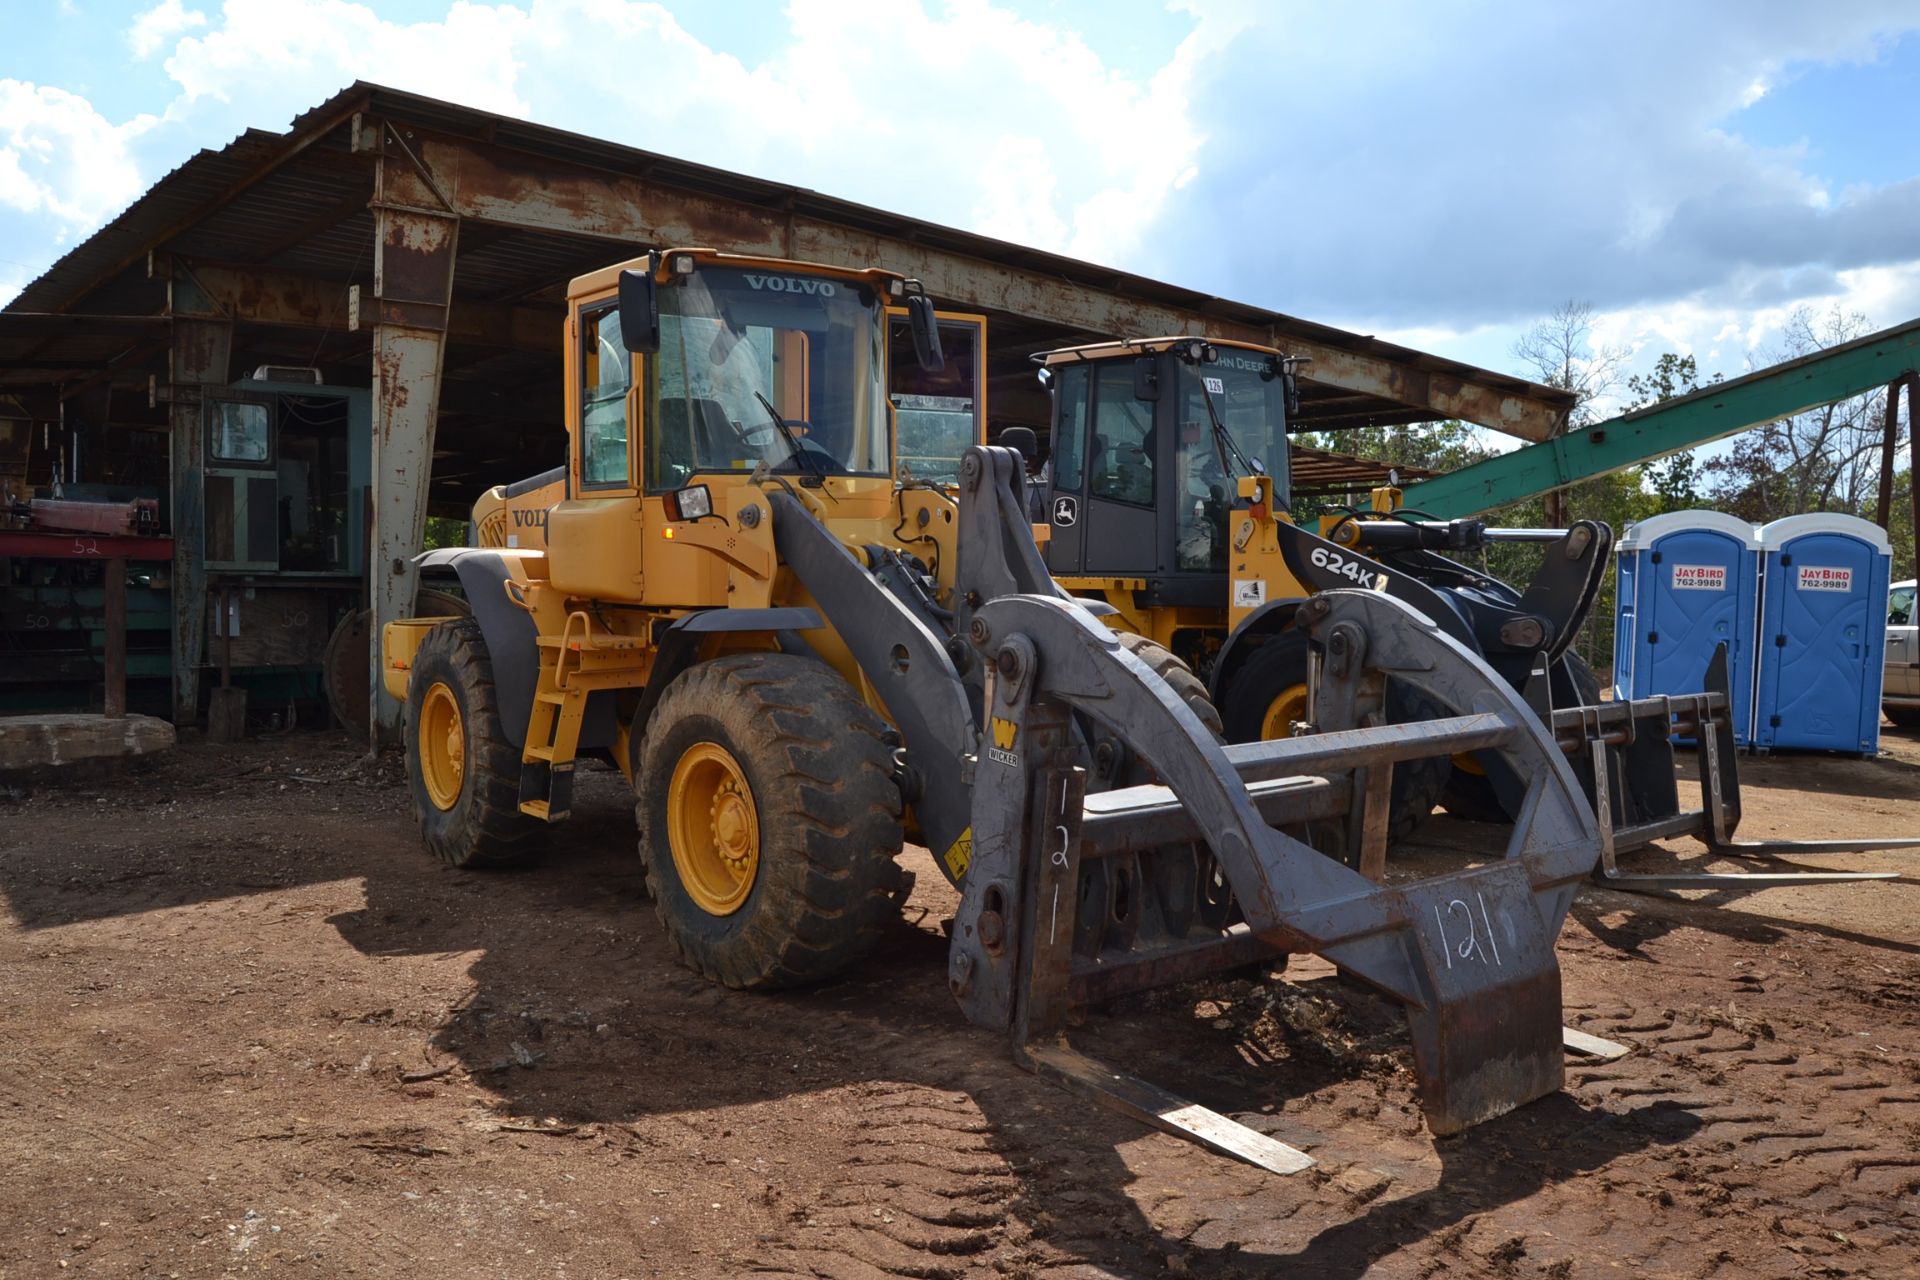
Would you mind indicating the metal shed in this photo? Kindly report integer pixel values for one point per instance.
(419, 251)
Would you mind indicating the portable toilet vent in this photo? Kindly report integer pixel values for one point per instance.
(1688, 583)
(1823, 633)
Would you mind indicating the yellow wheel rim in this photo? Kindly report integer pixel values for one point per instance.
(1465, 762)
(713, 828)
(443, 746)
(1289, 706)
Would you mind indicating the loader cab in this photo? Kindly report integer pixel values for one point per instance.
(1150, 441)
(695, 369)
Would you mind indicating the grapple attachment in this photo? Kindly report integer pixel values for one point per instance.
(1073, 897)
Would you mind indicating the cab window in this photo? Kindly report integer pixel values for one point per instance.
(1120, 461)
(1070, 431)
(606, 376)
(1900, 607)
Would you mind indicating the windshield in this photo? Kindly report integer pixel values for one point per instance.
(767, 368)
(1250, 401)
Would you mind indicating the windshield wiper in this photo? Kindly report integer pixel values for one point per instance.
(1223, 439)
(801, 456)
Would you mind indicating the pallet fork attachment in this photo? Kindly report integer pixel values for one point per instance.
(1072, 897)
(1627, 749)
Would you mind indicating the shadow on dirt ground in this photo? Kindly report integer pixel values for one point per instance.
(528, 1034)
(579, 1016)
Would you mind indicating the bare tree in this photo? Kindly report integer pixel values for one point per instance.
(1825, 459)
(1559, 351)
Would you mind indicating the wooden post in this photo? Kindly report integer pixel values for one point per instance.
(1913, 456)
(114, 701)
(1889, 443)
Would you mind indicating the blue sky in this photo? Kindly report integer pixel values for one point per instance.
(1439, 174)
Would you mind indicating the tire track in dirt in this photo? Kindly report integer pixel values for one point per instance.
(923, 1192)
(1817, 1145)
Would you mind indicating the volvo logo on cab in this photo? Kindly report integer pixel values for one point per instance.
(792, 284)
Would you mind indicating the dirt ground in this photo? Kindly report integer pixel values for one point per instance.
(247, 1026)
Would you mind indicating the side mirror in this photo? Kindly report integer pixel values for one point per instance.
(639, 312)
(1146, 379)
(1291, 391)
(926, 333)
(1021, 439)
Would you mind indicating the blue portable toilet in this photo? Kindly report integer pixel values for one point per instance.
(1688, 582)
(1823, 633)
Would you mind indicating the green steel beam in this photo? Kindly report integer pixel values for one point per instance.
(1712, 413)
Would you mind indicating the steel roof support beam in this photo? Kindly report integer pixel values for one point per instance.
(284, 299)
(494, 184)
(415, 242)
(1712, 413)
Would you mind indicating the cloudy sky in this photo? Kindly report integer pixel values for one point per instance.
(1443, 174)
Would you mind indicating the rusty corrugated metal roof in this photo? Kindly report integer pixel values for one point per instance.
(293, 200)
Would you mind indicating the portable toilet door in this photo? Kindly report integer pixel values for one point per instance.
(1688, 582)
(1823, 633)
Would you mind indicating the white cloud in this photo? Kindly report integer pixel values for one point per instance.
(1439, 176)
(160, 24)
(62, 159)
(281, 56)
(969, 114)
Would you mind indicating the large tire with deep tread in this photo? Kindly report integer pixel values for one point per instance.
(818, 764)
(1279, 664)
(484, 828)
(1470, 796)
(1178, 675)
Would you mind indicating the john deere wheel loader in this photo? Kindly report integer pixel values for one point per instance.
(801, 661)
(1168, 500)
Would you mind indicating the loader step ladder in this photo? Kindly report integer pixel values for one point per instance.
(1630, 744)
(559, 711)
(1470, 953)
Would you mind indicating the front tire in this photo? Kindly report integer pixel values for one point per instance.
(1269, 691)
(770, 821)
(462, 771)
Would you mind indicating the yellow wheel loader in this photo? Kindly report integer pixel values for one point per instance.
(803, 657)
(1167, 499)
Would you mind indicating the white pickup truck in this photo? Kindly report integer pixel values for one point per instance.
(1900, 695)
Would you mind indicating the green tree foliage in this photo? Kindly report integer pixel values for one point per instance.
(1826, 459)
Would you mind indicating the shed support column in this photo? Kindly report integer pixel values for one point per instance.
(198, 361)
(413, 290)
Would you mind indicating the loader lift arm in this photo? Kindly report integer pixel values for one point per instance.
(1469, 954)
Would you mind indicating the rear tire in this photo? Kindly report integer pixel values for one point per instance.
(462, 771)
(1271, 683)
(770, 821)
(343, 663)
(1904, 717)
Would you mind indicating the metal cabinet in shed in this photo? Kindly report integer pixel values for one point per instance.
(1822, 633)
(1688, 583)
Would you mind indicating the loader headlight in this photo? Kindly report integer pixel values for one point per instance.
(690, 503)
